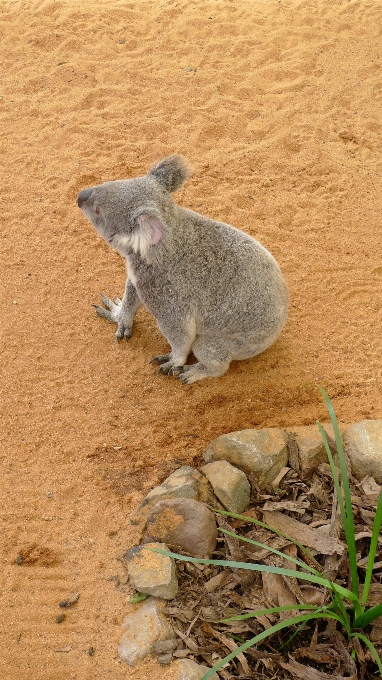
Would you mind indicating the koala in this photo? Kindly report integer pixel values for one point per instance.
(212, 289)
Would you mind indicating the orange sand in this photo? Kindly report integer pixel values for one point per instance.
(277, 106)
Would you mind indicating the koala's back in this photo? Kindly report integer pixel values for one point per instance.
(217, 275)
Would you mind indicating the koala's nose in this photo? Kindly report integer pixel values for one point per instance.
(83, 196)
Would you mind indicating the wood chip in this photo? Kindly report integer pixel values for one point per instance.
(214, 582)
(292, 506)
(298, 670)
(280, 476)
(64, 649)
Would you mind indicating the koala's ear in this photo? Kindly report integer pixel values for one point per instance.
(148, 231)
(171, 172)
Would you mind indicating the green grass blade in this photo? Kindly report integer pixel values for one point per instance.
(341, 607)
(373, 549)
(272, 550)
(252, 520)
(138, 597)
(368, 616)
(347, 512)
(344, 592)
(371, 647)
(264, 634)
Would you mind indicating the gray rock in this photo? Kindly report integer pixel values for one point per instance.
(229, 484)
(142, 628)
(186, 669)
(152, 573)
(186, 482)
(183, 524)
(165, 646)
(311, 449)
(259, 452)
(363, 445)
(164, 659)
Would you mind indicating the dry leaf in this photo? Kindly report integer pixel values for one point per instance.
(291, 506)
(312, 538)
(232, 646)
(64, 649)
(277, 592)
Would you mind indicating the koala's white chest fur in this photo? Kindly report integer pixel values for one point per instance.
(131, 273)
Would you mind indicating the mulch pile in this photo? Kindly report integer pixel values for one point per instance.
(306, 510)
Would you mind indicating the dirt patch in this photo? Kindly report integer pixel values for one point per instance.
(277, 107)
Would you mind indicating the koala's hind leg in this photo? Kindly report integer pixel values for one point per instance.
(181, 341)
(213, 361)
(121, 312)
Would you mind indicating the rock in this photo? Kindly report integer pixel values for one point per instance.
(142, 629)
(183, 524)
(152, 573)
(311, 449)
(186, 669)
(229, 484)
(164, 659)
(186, 482)
(363, 445)
(165, 646)
(259, 452)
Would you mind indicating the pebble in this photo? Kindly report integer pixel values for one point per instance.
(72, 599)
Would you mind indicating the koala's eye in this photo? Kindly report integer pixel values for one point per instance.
(97, 211)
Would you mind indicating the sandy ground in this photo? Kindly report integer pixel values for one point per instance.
(277, 106)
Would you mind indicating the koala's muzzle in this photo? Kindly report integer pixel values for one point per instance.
(83, 196)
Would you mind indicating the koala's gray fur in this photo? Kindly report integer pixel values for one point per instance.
(212, 288)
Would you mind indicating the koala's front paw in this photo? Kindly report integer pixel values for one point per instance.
(168, 368)
(167, 365)
(113, 314)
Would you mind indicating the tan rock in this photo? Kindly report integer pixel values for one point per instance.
(229, 484)
(186, 482)
(183, 524)
(363, 445)
(142, 628)
(311, 447)
(259, 452)
(150, 572)
(186, 669)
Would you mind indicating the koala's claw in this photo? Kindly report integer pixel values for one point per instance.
(123, 332)
(164, 369)
(161, 359)
(102, 312)
(175, 370)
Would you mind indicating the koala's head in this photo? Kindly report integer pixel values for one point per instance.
(132, 214)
